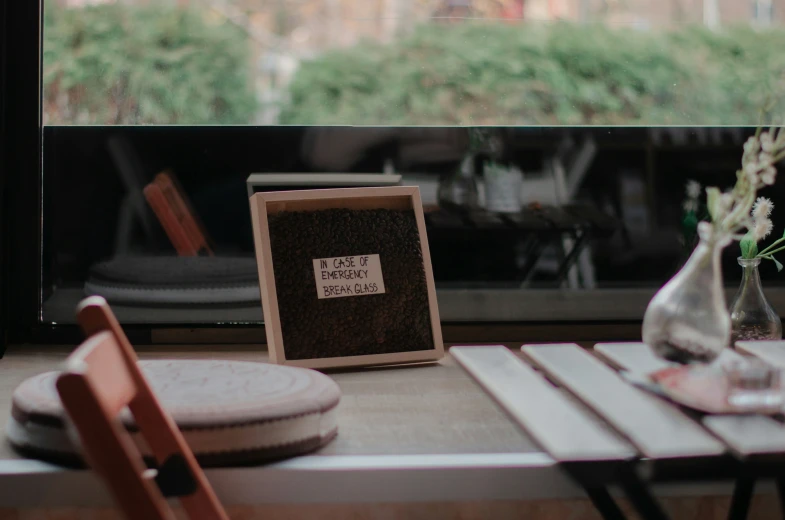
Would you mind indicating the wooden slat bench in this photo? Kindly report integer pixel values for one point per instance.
(604, 430)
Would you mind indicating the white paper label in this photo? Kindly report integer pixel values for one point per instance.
(348, 276)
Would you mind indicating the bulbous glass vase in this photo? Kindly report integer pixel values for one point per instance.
(688, 319)
(752, 316)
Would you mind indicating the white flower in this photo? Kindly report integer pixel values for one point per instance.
(765, 159)
(762, 208)
(690, 206)
(766, 142)
(751, 146)
(768, 175)
(762, 229)
(751, 172)
(693, 189)
(725, 203)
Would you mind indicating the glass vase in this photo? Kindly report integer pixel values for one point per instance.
(503, 188)
(459, 189)
(688, 319)
(752, 316)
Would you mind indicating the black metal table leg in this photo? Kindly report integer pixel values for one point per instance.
(572, 256)
(781, 494)
(533, 253)
(604, 503)
(640, 498)
(742, 497)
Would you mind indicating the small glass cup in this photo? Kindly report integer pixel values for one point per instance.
(754, 385)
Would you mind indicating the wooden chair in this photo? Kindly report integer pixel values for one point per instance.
(177, 216)
(102, 378)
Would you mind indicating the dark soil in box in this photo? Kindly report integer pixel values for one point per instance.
(396, 321)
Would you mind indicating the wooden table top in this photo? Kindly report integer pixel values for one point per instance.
(407, 434)
(425, 409)
(603, 430)
(594, 415)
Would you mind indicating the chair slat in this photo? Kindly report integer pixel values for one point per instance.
(110, 451)
(105, 369)
(746, 435)
(157, 427)
(562, 428)
(657, 428)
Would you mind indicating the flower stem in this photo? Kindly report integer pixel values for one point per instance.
(769, 253)
(765, 249)
(732, 221)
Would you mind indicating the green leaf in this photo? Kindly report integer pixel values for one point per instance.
(146, 64)
(749, 248)
(151, 62)
(779, 265)
(690, 222)
(712, 200)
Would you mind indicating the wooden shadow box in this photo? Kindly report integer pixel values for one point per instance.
(345, 277)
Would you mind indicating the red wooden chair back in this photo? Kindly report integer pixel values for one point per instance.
(177, 216)
(101, 379)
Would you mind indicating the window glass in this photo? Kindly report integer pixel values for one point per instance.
(411, 62)
(553, 142)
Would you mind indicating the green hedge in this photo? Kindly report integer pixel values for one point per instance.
(118, 64)
(477, 74)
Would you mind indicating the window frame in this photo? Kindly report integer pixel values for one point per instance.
(21, 262)
(21, 200)
(22, 163)
(3, 174)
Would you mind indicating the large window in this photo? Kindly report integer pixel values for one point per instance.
(411, 62)
(608, 108)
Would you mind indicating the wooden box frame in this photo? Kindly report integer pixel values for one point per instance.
(398, 198)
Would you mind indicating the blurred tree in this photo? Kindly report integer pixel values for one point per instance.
(536, 74)
(151, 64)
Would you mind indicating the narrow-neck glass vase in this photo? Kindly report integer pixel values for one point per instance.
(752, 316)
(688, 320)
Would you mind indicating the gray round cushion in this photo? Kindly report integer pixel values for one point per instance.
(230, 412)
(150, 280)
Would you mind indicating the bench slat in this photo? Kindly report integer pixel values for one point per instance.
(635, 357)
(638, 358)
(772, 352)
(563, 429)
(657, 428)
(746, 435)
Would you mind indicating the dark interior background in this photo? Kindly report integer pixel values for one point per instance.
(83, 187)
